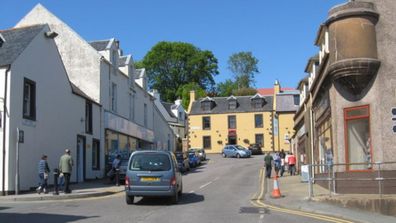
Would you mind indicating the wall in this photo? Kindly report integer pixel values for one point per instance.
(286, 124)
(219, 130)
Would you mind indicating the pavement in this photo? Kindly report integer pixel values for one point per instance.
(94, 188)
(361, 208)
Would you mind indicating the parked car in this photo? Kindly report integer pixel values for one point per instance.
(255, 149)
(194, 159)
(201, 153)
(182, 161)
(235, 151)
(153, 173)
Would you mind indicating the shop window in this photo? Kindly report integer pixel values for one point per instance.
(357, 133)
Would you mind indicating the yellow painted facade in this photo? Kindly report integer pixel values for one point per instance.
(245, 130)
(285, 131)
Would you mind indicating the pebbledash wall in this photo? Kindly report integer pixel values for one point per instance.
(352, 89)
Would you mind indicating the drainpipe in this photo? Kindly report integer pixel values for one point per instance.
(5, 127)
(312, 141)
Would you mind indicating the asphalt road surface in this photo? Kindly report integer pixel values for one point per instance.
(220, 190)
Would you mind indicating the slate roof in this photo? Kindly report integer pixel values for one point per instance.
(122, 61)
(100, 45)
(139, 73)
(168, 107)
(16, 40)
(221, 106)
(270, 91)
(286, 103)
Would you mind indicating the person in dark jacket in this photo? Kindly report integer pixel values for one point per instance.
(268, 159)
(65, 167)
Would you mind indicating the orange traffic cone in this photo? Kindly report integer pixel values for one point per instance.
(276, 192)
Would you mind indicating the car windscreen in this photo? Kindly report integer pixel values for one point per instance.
(240, 148)
(150, 162)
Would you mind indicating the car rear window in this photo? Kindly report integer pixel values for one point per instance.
(150, 162)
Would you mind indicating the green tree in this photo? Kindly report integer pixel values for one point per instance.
(244, 67)
(138, 64)
(226, 88)
(244, 91)
(184, 93)
(170, 65)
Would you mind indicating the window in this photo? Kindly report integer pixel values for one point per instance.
(29, 99)
(114, 97)
(88, 117)
(145, 115)
(259, 139)
(114, 57)
(257, 103)
(206, 105)
(358, 144)
(95, 154)
(232, 122)
(258, 121)
(181, 116)
(206, 142)
(296, 99)
(232, 104)
(206, 123)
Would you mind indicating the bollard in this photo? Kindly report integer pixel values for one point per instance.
(56, 176)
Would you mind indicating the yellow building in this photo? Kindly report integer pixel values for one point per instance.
(243, 120)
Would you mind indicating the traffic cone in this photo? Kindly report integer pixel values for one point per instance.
(276, 192)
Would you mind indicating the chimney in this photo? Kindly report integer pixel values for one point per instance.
(192, 99)
(277, 87)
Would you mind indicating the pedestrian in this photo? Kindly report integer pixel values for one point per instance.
(277, 163)
(43, 171)
(292, 164)
(116, 169)
(65, 167)
(282, 155)
(268, 165)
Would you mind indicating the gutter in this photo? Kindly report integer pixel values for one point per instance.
(5, 127)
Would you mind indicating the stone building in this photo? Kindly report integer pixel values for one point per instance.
(347, 114)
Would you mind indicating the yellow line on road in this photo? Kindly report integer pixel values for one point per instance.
(258, 203)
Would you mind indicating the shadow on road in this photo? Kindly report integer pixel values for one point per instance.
(185, 199)
(40, 217)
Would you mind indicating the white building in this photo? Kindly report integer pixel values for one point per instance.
(124, 111)
(52, 113)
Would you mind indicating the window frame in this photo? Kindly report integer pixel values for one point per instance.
(262, 137)
(229, 121)
(32, 99)
(95, 156)
(357, 117)
(255, 121)
(208, 122)
(210, 142)
(88, 117)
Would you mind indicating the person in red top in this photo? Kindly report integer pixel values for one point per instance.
(292, 164)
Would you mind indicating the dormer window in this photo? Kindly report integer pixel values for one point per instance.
(257, 101)
(114, 57)
(207, 104)
(232, 103)
(1, 41)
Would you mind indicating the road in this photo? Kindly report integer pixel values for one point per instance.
(221, 190)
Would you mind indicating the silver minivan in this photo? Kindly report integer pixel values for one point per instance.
(153, 173)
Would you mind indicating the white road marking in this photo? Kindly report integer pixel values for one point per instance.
(216, 178)
(205, 185)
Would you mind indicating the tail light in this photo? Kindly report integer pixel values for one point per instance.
(127, 183)
(173, 181)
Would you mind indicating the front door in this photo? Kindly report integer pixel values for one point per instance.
(80, 162)
(232, 140)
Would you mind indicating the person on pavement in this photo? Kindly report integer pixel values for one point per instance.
(65, 167)
(282, 155)
(43, 171)
(116, 169)
(277, 163)
(268, 164)
(292, 164)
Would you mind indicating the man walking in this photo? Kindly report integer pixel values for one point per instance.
(282, 155)
(43, 171)
(65, 167)
(292, 164)
(268, 165)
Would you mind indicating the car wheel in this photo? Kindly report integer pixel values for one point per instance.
(129, 199)
(175, 198)
(224, 155)
(238, 156)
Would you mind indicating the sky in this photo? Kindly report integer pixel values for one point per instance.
(279, 33)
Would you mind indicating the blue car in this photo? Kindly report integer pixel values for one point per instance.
(194, 159)
(236, 151)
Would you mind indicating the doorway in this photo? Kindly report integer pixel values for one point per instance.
(80, 161)
(232, 140)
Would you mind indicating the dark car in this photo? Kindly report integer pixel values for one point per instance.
(255, 149)
(182, 161)
(153, 174)
(201, 153)
(194, 159)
